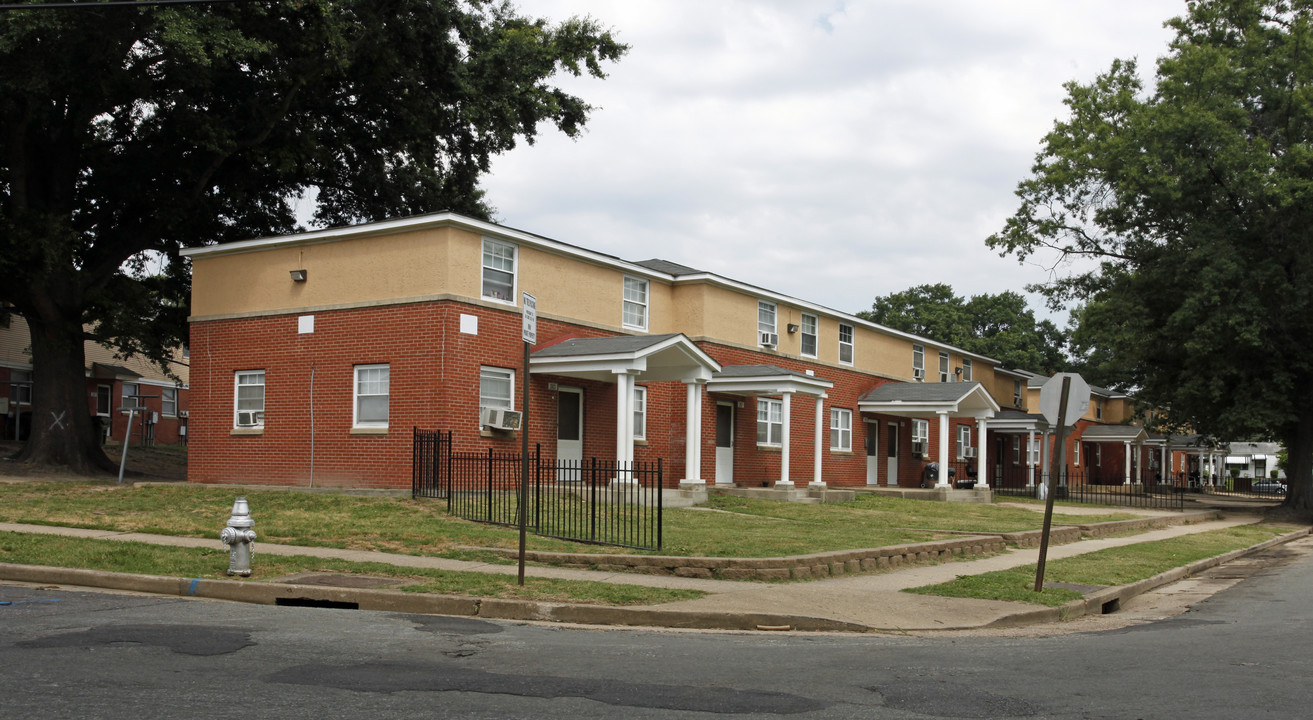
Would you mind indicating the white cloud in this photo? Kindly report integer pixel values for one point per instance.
(831, 151)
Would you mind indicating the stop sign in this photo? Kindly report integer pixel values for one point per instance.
(1078, 399)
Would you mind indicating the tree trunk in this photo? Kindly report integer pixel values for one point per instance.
(1299, 476)
(62, 431)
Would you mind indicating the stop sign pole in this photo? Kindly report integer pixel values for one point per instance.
(1072, 399)
(529, 333)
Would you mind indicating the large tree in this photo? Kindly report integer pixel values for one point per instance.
(129, 132)
(999, 326)
(1192, 206)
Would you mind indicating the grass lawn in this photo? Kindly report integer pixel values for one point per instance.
(134, 557)
(1114, 566)
(725, 527)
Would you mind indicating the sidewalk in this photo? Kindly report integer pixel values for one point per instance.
(860, 602)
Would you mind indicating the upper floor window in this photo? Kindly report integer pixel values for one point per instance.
(918, 362)
(810, 324)
(169, 401)
(1098, 409)
(841, 429)
(635, 303)
(943, 366)
(371, 395)
(249, 406)
(499, 270)
(765, 319)
(770, 422)
(1016, 393)
(20, 387)
(966, 369)
(845, 344)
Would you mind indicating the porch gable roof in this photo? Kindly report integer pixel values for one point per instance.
(766, 380)
(960, 399)
(650, 358)
(1114, 433)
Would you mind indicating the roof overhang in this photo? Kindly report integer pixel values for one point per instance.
(104, 371)
(1115, 433)
(1012, 421)
(755, 380)
(650, 358)
(921, 399)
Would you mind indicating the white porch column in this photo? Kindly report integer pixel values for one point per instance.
(943, 450)
(817, 482)
(693, 434)
(1162, 465)
(624, 422)
(1139, 463)
(1126, 464)
(784, 480)
(1044, 463)
(982, 473)
(1030, 464)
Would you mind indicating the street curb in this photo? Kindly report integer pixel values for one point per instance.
(261, 593)
(1111, 598)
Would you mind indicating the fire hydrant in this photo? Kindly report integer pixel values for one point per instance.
(239, 538)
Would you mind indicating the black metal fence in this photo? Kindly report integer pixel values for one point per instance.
(594, 501)
(1075, 487)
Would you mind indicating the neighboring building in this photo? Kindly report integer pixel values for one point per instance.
(316, 354)
(112, 384)
(1254, 460)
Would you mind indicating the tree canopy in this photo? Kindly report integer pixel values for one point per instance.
(1192, 205)
(998, 326)
(130, 132)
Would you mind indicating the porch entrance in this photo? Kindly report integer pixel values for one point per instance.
(891, 477)
(569, 432)
(872, 453)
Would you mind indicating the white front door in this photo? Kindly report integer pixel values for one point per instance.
(872, 453)
(891, 477)
(724, 443)
(569, 433)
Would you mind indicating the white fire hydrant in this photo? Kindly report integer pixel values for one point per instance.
(239, 538)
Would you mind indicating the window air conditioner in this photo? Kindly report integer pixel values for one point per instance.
(770, 339)
(250, 418)
(918, 373)
(968, 452)
(499, 418)
(918, 448)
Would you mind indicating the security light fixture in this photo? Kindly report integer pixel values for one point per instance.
(298, 276)
(793, 327)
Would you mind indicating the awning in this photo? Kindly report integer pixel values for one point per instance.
(649, 358)
(1236, 460)
(920, 399)
(756, 380)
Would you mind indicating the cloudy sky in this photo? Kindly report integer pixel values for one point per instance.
(833, 151)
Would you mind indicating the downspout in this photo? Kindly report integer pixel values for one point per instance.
(312, 425)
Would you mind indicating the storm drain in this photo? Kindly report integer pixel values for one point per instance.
(316, 603)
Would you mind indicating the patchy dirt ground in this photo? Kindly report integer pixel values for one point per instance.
(160, 463)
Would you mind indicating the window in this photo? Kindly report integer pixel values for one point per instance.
(640, 413)
(169, 402)
(498, 270)
(1032, 452)
(918, 362)
(496, 388)
(765, 318)
(371, 400)
(770, 422)
(810, 323)
(845, 344)
(20, 388)
(963, 440)
(1098, 409)
(1016, 449)
(921, 434)
(1075, 453)
(249, 408)
(1016, 393)
(130, 393)
(966, 370)
(635, 303)
(104, 400)
(841, 429)
(943, 366)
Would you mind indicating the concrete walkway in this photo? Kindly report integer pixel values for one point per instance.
(859, 602)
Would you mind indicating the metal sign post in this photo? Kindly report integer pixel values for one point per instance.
(1063, 400)
(529, 332)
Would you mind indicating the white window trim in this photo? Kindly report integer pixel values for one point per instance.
(815, 335)
(506, 373)
(164, 402)
(264, 397)
(1075, 453)
(1033, 447)
(963, 440)
(514, 272)
(945, 367)
(774, 319)
(355, 396)
(918, 361)
(640, 412)
(1017, 393)
(841, 427)
(921, 431)
(966, 369)
(625, 301)
(769, 404)
(851, 344)
(1016, 449)
(109, 400)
